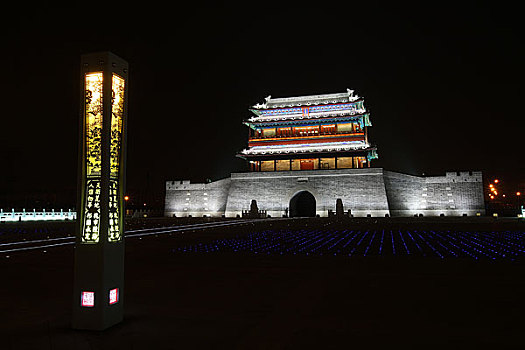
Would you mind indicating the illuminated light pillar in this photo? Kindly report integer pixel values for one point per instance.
(98, 292)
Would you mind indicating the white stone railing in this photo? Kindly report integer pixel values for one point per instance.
(10, 216)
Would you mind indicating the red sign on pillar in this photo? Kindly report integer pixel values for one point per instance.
(113, 296)
(88, 299)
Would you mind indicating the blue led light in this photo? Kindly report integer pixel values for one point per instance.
(508, 245)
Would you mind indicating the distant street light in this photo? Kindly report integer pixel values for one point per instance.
(126, 198)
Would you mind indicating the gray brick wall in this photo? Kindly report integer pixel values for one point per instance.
(365, 192)
(361, 190)
(184, 198)
(454, 194)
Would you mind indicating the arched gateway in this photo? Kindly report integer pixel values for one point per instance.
(302, 204)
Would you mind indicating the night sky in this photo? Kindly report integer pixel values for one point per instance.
(444, 87)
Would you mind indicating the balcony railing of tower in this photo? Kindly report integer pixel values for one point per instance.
(285, 135)
(361, 119)
(344, 146)
(312, 139)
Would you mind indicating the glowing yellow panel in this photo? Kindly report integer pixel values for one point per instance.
(91, 227)
(93, 119)
(117, 112)
(114, 232)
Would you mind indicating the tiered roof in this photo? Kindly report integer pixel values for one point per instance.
(309, 110)
(347, 96)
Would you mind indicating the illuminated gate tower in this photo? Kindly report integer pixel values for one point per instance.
(309, 132)
(99, 254)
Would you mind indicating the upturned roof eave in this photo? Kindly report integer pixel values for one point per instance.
(290, 120)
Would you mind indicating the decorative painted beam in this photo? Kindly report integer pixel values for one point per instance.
(309, 111)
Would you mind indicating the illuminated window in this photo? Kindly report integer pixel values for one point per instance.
(87, 299)
(283, 132)
(296, 164)
(282, 165)
(309, 164)
(269, 132)
(345, 127)
(306, 130)
(360, 162)
(267, 165)
(344, 162)
(113, 296)
(328, 129)
(327, 163)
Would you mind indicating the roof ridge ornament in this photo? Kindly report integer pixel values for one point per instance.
(351, 96)
(259, 105)
(307, 101)
(263, 105)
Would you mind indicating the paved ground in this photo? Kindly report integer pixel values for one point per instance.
(243, 301)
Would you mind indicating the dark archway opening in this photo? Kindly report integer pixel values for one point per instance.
(302, 204)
